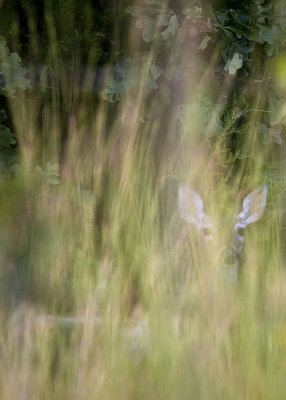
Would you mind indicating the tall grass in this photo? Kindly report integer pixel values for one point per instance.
(105, 292)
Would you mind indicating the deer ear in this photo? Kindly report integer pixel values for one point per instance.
(254, 206)
(191, 206)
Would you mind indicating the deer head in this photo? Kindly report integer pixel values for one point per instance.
(191, 209)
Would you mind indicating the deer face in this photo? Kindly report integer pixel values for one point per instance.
(191, 209)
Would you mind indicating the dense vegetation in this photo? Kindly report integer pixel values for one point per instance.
(107, 288)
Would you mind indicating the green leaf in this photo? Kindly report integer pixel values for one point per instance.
(40, 172)
(275, 132)
(53, 169)
(261, 20)
(163, 20)
(53, 181)
(271, 134)
(271, 49)
(148, 28)
(113, 92)
(13, 77)
(156, 71)
(234, 14)
(6, 137)
(267, 34)
(152, 84)
(50, 174)
(14, 59)
(234, 63)
(16, 169)
(244, 49)
(19, 80)
(3, 116)
(172, 28)
(121, 68)
(204, 42)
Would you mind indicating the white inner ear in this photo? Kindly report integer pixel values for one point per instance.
(253, 206)
(191, 208)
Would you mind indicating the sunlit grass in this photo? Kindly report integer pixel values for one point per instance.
(106, 292)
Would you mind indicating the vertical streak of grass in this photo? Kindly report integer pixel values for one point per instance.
(105, 240)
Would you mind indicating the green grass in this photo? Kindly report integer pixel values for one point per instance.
(151, 316)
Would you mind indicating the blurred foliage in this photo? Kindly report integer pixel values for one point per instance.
(12, 79)
(59, 41)
(235, 58)
(85, 28)
(12, 76)
(234, 43)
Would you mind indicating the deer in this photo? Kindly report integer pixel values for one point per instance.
(191, 210)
